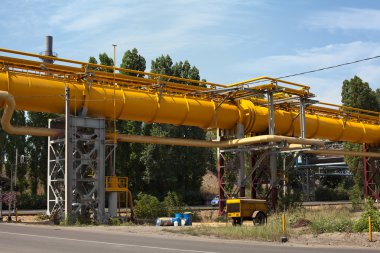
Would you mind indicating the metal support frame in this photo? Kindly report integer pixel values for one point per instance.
(221, 183)
(371, 176)
(76, 169)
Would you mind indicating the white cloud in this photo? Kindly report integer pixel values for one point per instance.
(345, 19)
(325, 84)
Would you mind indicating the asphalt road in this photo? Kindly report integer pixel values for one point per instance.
(42, 239)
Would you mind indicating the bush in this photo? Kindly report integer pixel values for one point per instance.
(324, 193)
(173, 204)
(330, 224)
(148, 207)
(361, 225)
(28, 201)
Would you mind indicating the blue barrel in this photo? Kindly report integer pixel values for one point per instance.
(179, 215)
(189, 218)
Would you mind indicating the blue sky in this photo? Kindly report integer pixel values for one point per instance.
(228, 41)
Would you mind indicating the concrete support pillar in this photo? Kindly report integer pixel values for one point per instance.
(112, 196)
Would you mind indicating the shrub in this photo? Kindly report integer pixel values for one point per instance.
(331, 224)
(27, 201)
(148, 207)
(324, 193)
(173, 204)
(361, 225)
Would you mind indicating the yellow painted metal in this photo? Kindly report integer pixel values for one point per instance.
(369, 229)
(159, 99)
(116, 184)
(215, 144)
(7, 101)
(244, 208)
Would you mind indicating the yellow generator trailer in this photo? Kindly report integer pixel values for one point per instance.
(247, 209)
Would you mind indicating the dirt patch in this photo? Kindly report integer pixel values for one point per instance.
(301, 223)
(337, 240)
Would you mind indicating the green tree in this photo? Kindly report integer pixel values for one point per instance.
(37, 148)
(8, 149)
(104, 59)
(358, 94)
(175, 168)
(132, 60)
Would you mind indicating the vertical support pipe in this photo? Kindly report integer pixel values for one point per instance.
(365, 171)
(253, 177)
(303, 117)
(241, 174)
(112, 196)
(68, 157)
(284, 175)
(370, 228)
(221, 167)
(1, 203)
(273, 154)
(16, 165)
(283, 237)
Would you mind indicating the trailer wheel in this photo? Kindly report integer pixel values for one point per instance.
(259, 218)
(237, 221)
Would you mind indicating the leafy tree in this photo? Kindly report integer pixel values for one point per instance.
(358, 94)
(37, 148)
(9, 145)
(175, 168)
(104, 60)
(132, 60)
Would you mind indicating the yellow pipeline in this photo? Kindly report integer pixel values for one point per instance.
(47, 95)
(9, 104)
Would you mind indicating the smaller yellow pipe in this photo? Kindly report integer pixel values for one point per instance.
(267, 78)
(9, 108)
(214, 144)
(283, 224)
(342, 152)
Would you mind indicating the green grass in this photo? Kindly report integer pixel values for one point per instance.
(266, 233)
(325, 221)
(322, 221)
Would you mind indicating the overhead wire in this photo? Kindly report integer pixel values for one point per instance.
(323, 68)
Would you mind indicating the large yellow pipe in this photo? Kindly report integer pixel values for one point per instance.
(47, 95)
(9, 104)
